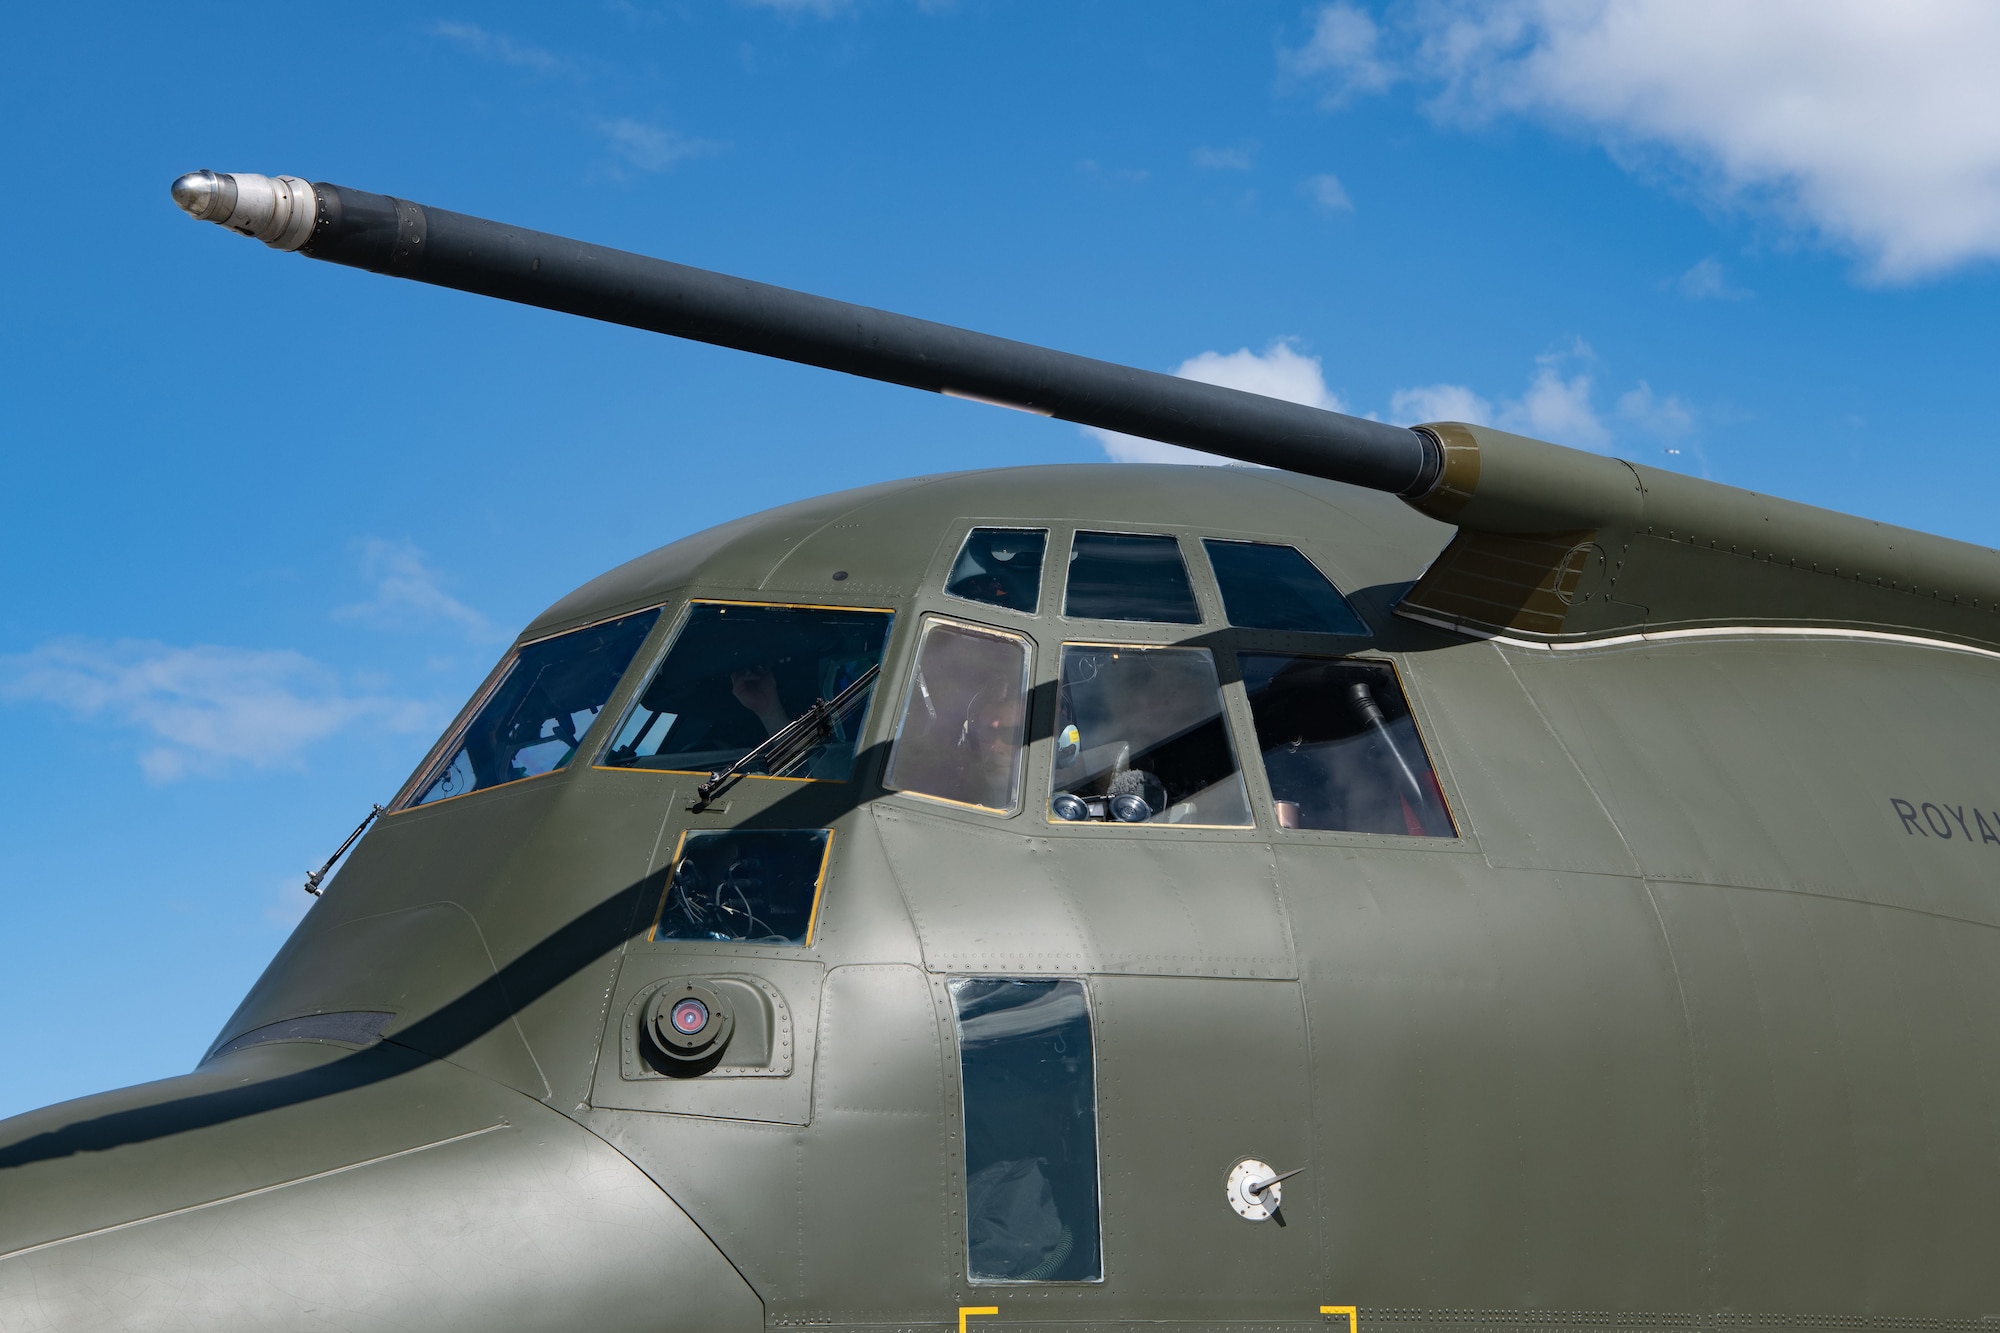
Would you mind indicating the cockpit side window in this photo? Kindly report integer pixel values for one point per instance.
(1129, 576)
(1000, 567)
(535, 717)
(1340, 748)
(737, 673)
(1141, 738)
(965, 720)
(1268, 586)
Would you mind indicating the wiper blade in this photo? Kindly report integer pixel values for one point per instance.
(788, 742)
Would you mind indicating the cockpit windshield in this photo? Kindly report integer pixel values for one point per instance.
(737, 673)
(534, 718)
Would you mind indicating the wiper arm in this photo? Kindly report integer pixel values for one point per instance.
(788, 742)
(313, 880)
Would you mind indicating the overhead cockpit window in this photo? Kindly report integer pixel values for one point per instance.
(1268, 586)
(1141, 738)
(965, 719)
(744, 886)
(535, 717)
(1129, 576)
(1340, 748)
(1001, 567)
(737, 674)
(1030, 1131)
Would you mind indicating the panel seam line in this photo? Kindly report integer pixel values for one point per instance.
(250, 1194)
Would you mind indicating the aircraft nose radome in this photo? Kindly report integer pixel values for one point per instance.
(319, 1191)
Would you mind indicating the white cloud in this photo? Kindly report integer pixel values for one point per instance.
(206, 709)
(647, 147)
(1555, 408)
(500, 48)
(1223, 159)
(1327, 193)
(1706, 281)
(1438, 402)
(1557, 405)
(1343, 53)
(408, 592)
(1279, 371)
(1876, 125)
(1669, 418)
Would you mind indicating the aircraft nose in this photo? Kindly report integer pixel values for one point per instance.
(293, 1189)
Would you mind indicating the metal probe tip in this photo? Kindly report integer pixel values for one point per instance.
(278, 210)
(198, 193)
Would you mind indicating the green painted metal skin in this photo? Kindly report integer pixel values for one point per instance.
(1688, 1026)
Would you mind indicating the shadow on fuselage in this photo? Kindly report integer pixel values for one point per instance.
(565, 951)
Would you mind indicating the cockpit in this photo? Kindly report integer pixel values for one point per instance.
(1109, 692)
(1166, 680)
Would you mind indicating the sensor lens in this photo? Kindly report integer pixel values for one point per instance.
(689, 1016)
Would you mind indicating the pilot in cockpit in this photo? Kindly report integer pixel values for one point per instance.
(737, 674)
(755, 686)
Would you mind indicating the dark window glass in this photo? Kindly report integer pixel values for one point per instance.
(1266, 586)
(965, 719)
(1128, 576)
(1340, 748)
(1140, 737)
(738, 673)
(747, 886)
(1000, 566)
(547, 699)
(1030, 1131)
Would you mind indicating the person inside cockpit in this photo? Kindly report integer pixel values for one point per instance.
(738, 673)
(756, 687)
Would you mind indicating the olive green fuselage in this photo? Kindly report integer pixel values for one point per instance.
(1689, 1024)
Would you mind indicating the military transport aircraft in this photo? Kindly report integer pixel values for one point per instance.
(1440, 881)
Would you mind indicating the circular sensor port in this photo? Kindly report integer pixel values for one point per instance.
(687, 1022)
(689, 1017)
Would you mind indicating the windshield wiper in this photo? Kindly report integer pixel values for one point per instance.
(313, 880)
(788, 742)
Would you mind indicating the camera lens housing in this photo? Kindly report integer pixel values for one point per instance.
(688, 1022)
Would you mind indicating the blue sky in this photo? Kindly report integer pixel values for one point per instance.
(269, 521)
